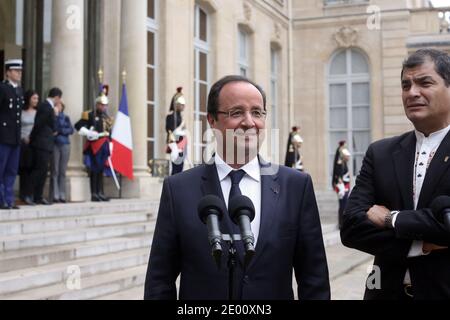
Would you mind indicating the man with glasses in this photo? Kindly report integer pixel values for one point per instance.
(286, 227)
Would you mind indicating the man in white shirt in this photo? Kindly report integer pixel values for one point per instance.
(286, 227)
(388, 213)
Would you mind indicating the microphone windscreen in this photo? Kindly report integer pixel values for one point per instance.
(209, 203)
(439, 204)
(241, 205)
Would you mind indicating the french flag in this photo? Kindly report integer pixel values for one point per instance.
(122, 141)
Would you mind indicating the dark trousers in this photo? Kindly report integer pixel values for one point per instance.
(342, 205)
(9, 164)
(39, 173)
(25, 169)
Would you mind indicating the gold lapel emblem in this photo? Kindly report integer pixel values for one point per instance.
(446, 159)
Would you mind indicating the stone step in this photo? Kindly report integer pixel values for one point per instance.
(331, 238)
(67, 223)
(62, 237)
(136, 293)
(29, 258)
(59, 273)
(79, 209)
(92, 287)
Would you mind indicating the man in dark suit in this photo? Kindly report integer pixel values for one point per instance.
(11, 103)
(388, 211)
(42, 141)
(286, 226)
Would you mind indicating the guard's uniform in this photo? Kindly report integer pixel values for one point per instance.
(11, 103)
(96, 151)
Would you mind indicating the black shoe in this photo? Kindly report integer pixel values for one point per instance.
(43, 202)
(4, 207)
(29, 201)
(95, 198)
(56, 201)
(103, 198)
(62, 201)
(14, 207)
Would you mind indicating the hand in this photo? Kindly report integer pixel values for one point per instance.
(377, 215)
(92, 136)
(428, 247)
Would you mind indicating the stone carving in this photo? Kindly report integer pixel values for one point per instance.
(346, 37)
(247, 11)
(277, 30)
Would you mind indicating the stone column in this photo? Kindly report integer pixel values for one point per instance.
(133, 59)
(67, 66)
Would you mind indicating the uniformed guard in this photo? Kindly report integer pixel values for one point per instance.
(96, 126)
(176, 132)
(294, 158)
(11, 103)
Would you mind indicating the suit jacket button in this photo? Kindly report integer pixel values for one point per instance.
(246, 279)
(4, 124)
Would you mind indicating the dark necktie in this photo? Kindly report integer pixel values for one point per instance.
(236, 177)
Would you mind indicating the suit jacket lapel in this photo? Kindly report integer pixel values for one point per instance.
(438, 166)
(270, 192)
(404, 168)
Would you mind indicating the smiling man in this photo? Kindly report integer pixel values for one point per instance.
(388, 214)
(286, 228)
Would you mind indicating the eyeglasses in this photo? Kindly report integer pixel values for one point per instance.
(257, 114)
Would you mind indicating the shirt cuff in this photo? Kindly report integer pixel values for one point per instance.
(394, 218)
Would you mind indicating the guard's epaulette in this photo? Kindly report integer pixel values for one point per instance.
(85, 116)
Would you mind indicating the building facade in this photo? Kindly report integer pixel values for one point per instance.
(330, 66)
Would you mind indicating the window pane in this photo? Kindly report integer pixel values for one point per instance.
(360, 94)
(151, 9)
(359, 64)
(361, 140)
(150, 119)
(361, 117)
(203, 26)
(338, 94)
(203, 66)
(242, 46)
(150, 84)
(338, 118)
(204, 127)
(339, 64)
(203, 97)
(151, 48)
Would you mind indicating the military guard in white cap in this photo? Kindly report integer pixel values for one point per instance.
(96, 126)
(11, 103)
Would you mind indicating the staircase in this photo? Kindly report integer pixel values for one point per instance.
(75, 251)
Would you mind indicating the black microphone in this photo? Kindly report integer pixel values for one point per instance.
(242, 213)
(441, 210)
(210, 211)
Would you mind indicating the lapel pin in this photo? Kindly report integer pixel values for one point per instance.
(446, 159)
(275, 189)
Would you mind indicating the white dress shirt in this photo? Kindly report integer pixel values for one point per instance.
(250, 186)
(426, 147)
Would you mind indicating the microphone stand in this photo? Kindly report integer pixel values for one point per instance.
(230, 239)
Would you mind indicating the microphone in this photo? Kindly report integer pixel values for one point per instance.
(441, 210)
(242, 213)
(210, 211)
